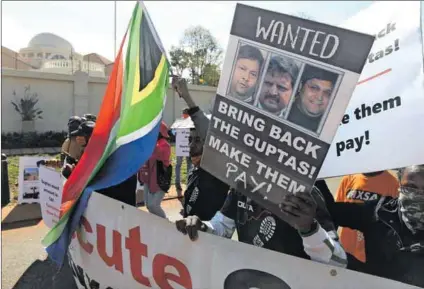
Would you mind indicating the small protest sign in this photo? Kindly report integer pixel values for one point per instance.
(51, 188)
(29, 191)
(283, 90)
(182, 142)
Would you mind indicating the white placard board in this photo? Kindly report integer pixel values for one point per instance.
(28, 182)
(182, 148)
(383, 123)
(51, 189)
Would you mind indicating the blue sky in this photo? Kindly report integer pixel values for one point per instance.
(89, 25)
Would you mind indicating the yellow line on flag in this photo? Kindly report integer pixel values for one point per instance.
(138, 96)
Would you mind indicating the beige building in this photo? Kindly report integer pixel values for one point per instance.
(48, 52)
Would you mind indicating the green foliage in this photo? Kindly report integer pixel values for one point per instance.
(32, 140)
(200, 54)
(25, 106)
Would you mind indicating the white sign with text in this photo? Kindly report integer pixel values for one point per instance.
(182, 142)
(383, 123)
(29, 185)
(51, 189)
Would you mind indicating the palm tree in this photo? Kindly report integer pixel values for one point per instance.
(26, 105)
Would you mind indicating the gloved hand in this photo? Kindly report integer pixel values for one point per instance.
(300, 211)
(191, 225)
(180, 86)
(67, 170)
(41, 163)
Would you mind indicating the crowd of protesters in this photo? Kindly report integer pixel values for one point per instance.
(375, 223)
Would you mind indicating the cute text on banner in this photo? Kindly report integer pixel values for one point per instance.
(122, 247)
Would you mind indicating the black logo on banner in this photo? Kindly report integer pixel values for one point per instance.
(249, 278)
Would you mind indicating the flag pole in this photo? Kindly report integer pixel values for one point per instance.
(114, 33)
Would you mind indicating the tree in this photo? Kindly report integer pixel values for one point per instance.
(200, 53)
(180, 59)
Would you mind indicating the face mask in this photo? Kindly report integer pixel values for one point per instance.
(411, 203)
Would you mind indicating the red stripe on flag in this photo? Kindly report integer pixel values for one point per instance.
(108, 115)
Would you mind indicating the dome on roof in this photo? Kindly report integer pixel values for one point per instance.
(49, 40)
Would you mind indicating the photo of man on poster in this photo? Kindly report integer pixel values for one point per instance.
(313, 98)
(278, 85)
(246, 73)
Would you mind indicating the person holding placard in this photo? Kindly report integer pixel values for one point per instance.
(180, 162)
(70, 146)
(363, 188)
(393, 229)
(308, 231)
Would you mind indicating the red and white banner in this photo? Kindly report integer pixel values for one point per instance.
(118, 246)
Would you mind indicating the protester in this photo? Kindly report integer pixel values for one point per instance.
(179, 163)
(360, 188)
(278, 85)
(246, 73)
(308, 231)
(123, 192)
(90, 117)
(314, 97)
(393, 229)
(153, 194)
(205, 194)
(70, 146)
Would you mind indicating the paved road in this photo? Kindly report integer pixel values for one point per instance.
(23, 256)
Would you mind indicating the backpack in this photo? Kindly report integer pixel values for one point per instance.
(163, 175)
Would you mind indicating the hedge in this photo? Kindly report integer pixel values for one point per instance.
(32, 140)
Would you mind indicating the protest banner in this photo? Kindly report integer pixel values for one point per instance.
(382, 123)
(51, 188)
(135, 249)
(283, 90)
(182, 140)
(28, 182)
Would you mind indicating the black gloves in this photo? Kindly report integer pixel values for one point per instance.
(191, 225)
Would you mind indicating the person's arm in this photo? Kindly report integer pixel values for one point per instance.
(220, 225)
(223, 223)
(307, 213)
(353, 215)
(201, 122)
(324, 247)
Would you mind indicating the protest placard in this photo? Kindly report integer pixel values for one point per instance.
(122, 247)
(182, 148)
(51, 188)
(382, 123)
(283, 90)
(29, 184)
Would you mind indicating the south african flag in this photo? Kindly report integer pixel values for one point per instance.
(126, 130)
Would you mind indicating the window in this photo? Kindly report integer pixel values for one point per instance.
(58, 57)
(39, 55)
(30, 55)
(48, 55)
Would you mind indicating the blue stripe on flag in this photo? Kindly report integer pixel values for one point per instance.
(122, 164)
